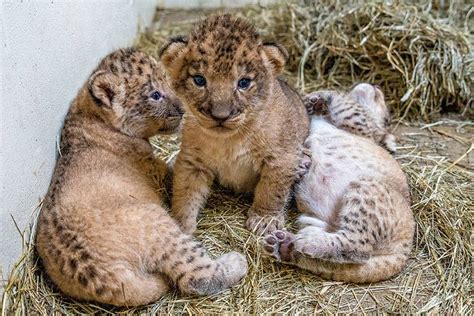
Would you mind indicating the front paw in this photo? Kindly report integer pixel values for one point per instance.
(305, 163)
(315, 103)
(280, 245)
(187, 227)
(262, 225)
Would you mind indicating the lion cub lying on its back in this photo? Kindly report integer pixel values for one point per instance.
(103, 232)
(243, 126)
(358, 225)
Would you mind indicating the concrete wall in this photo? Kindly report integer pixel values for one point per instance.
(47, 50)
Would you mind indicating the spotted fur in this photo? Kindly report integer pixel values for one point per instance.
(237, 136)
(104, 233)
(357, 224)
(362, 111)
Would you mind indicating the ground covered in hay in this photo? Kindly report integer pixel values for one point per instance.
(438, 160)
(436, 155)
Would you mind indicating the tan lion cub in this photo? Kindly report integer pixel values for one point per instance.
(358, 225)
(103, 233)
(243, 126)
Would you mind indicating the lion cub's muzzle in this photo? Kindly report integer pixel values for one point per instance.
(173, 118)
(221, 115)
(176, 110)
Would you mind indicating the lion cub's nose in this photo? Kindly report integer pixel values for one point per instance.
(221, 114)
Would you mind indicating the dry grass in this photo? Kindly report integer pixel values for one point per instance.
(424, 63)
(437, 159)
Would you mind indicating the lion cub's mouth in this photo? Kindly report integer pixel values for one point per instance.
(228, 125)
(171, 125)
(214, 126)
(221, 128)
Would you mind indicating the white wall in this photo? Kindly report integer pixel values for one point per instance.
(47, 50)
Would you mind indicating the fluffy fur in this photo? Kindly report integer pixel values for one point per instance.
(358, 225)
(235, 134)
(104, 233)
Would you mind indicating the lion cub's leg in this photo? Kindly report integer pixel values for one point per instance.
(134, 264)
(186, 263)
(351, 115)
(369, 245)
(179, 257)
(282, 246)
(128, 287)
(191, 183)
(267, 213)
(387, 141)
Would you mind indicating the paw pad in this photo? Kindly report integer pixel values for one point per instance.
(314, 103)
(279, 245)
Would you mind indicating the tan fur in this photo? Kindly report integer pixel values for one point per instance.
(358, 225)
(239, 137)
(103, 233)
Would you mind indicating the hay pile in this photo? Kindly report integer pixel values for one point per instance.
(425, 65)
(436, 157)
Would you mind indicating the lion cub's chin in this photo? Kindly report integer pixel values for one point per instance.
(225, 129)
(170, 126)
(219, 131)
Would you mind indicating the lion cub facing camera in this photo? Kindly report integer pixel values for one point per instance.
(358, 225)
(103, 232)
(243, 125)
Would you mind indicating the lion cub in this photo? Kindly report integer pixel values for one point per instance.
(358, 225)
(243, 127)
(103, 232)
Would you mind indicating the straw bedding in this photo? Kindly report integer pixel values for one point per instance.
(437, 157)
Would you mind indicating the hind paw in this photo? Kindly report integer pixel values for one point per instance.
(279, 245)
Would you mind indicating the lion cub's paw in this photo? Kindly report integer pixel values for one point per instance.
(305, 163)
(262, 225)
(280, 245)
(188, 226)
(236, 266)
(315, 103)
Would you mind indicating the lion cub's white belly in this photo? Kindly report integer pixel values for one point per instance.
(234, 166)
(338, 159)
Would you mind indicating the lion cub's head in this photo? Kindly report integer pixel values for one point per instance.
(223, 72)
(372, 99)
(129, 90)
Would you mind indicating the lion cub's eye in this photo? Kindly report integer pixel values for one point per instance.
(155, 95)
(199, 80)
(244, 83)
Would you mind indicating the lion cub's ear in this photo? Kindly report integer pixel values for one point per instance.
(276, 55)
(172, 50)
(363, 93)
(106, 89)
